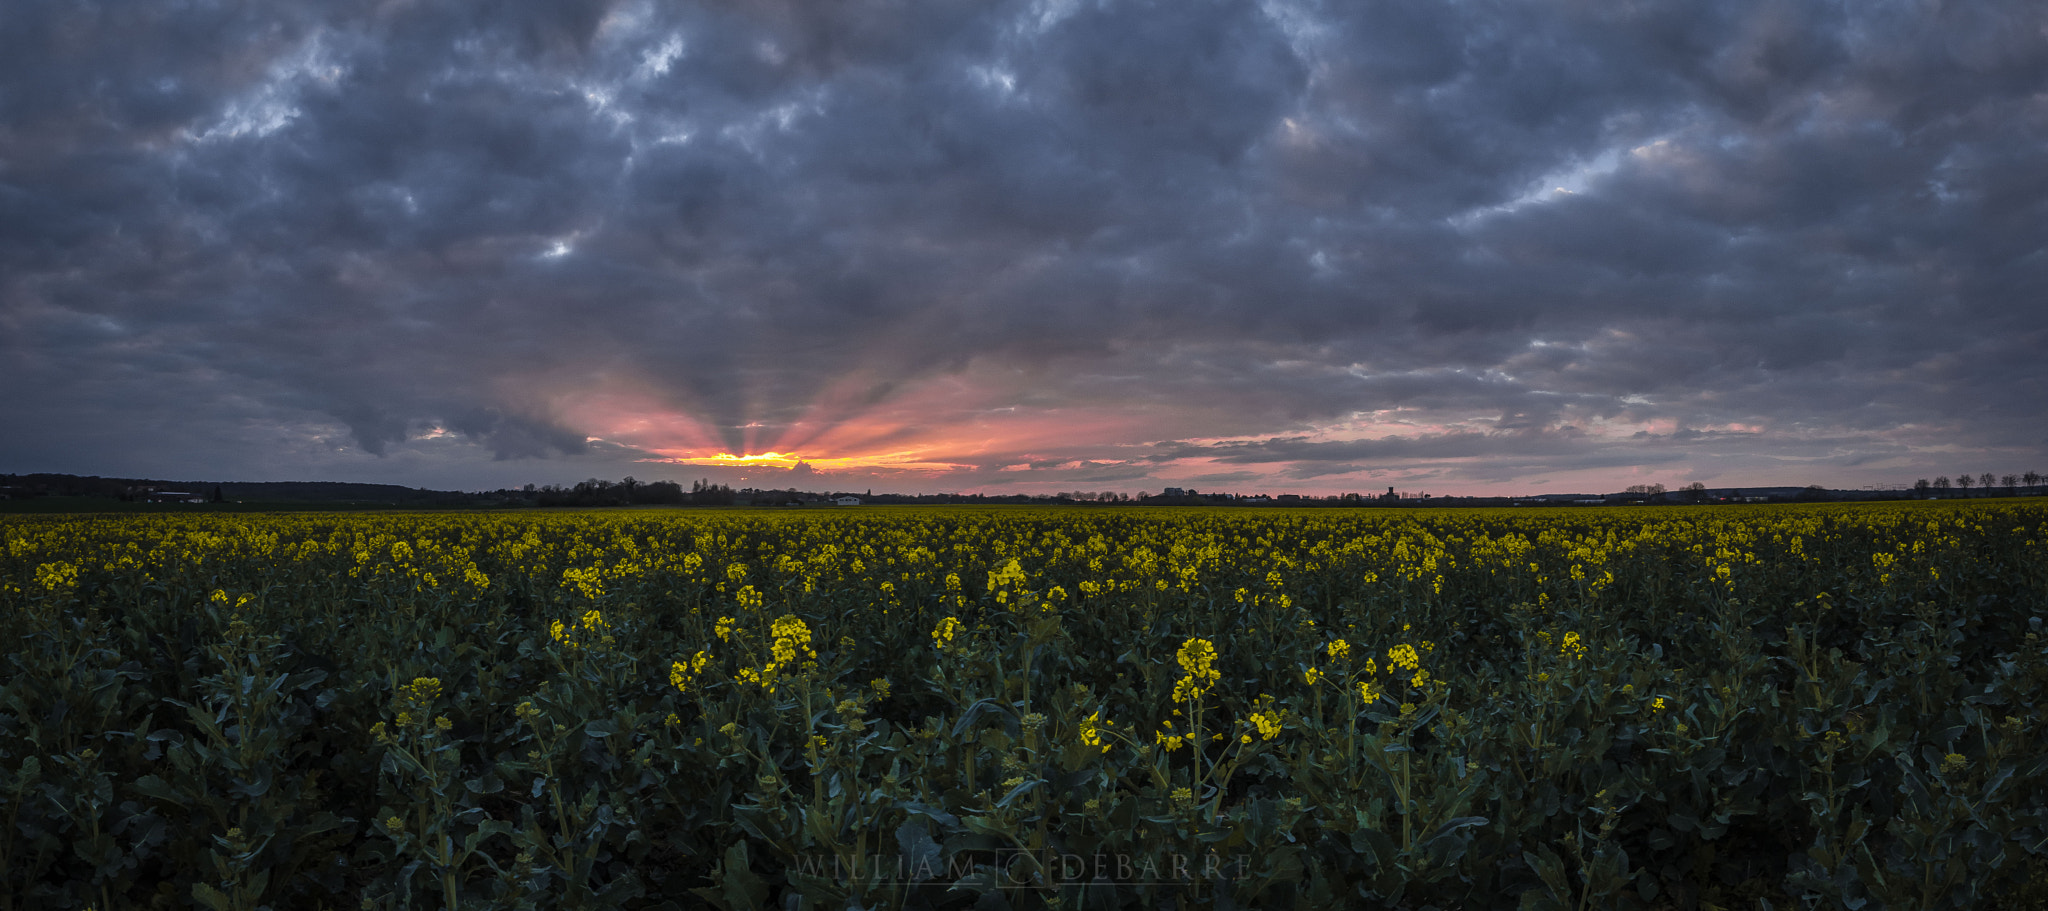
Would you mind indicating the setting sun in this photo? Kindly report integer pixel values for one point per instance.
(775, 459)
(908, 460)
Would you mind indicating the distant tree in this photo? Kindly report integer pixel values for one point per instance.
(1964, 481)
(1695, 491)
(1921, 487)
(1986, 481)
(2012, 484)
(2033, 479)
(665, 493)
(1645, 492)
(705, 493)
(217, 497)
(1941, 483)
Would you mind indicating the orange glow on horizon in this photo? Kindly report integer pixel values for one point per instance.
(776, 459)
(909, 460)
(944, 424)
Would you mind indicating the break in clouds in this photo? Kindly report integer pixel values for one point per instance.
(1027, 245)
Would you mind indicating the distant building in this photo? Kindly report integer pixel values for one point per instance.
(847, 501)
(1174, 492)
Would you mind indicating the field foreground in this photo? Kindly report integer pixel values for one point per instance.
(1830, 706)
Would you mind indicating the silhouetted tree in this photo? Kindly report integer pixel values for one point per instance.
(661, 493)
(2012, 484)
(705, 493)
(2033, 479)
(1986, 481)
(1941, 483)
(1964, 481)
(1921, 487)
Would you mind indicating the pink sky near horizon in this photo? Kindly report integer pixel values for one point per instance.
(953, 434)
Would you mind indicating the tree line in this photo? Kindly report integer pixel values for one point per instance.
(629, 491)
(1987, 482)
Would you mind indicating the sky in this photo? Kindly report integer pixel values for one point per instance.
(1057, 245)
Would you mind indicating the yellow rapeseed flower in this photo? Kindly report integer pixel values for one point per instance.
(1571, 647)
(1092, 730)
(56, 577)
(682, 675)
(1268, 723)
(421, 691)
(1403, 656)
(1012, 573)
(1198, 658)
(942, 634)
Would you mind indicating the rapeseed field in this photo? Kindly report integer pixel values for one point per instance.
(1796, 706)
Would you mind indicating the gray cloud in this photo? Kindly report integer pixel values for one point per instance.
(1318, 242)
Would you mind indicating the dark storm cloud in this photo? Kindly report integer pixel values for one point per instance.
(1484, 240)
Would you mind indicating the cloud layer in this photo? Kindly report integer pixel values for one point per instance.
(1035, 246)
